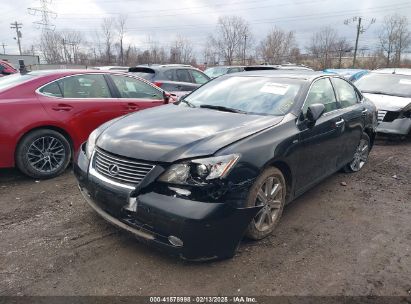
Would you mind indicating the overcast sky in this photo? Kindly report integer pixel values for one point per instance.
(163, 20)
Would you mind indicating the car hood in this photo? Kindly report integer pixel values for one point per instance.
(388, 102)
(169, 133)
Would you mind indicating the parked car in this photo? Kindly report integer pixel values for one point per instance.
(46, 115)
(277, 67)
(111, 68)
(6, 68)
(350, 74)
(217, 71)
(390, 90)
(176, 79)
(194, 177)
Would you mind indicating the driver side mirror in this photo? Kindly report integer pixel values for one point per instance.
(314, 112)
(166, 97)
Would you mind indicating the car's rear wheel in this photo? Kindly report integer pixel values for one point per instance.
(268, 191)
(43, 153)
(360, 155)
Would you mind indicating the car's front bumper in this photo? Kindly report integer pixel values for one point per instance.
(400, 126)
(207, 230)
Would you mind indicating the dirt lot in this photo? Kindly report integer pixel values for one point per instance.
(334, 240)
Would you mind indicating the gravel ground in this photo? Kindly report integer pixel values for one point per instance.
(334, 240)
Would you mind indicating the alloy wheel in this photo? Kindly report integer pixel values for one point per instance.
(46, 154)
(360, 156)
(270, 195)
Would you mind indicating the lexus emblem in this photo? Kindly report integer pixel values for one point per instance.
(113, 170)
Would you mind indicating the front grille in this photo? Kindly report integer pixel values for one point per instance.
(381, 115)
(120, 169)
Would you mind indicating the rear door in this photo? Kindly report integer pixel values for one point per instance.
(80, 102)
(321, 143)
(135, 94)
(353, 113)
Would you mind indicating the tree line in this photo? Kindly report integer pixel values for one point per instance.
(232, 42)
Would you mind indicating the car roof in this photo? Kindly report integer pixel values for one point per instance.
(399, 71)
(295, 74)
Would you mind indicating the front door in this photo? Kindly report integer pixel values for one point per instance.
(321, 143)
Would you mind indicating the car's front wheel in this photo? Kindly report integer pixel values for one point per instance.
(360, 155)
(268, 191)
(43, 153)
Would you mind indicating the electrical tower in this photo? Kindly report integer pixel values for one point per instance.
(361, 29)
(17, 26)
(45, 14)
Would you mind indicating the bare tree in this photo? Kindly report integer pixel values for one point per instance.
(231, 37)
(342, 47)
(50, 46)
(403, 38)
(121, 31)
(322, 46)
(277, 46)
(181, 50)
(107, 29)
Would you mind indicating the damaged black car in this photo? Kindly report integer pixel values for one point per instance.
(195, 177)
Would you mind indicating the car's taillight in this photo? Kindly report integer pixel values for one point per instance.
(158, 83)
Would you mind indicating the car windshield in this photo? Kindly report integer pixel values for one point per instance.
(215, 72)
(12, 80)
(387, 84)
(254, 95)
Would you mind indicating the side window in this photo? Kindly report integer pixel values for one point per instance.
(52, 89)
(345, 92)
(133, 88)
(183, 76)
(84, 86)
(234, 70)
(169, 75)
(321, 92)
(199, 77)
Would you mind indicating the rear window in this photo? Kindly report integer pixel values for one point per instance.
(13, 80)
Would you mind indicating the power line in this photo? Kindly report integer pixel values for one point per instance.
(17, 26)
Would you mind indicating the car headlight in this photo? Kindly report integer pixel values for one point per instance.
(91, 142)
(200, 170)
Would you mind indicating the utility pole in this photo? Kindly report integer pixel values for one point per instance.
(360, 30)
(356, 41)
(245, 46)
(4, 48)
(17, 26)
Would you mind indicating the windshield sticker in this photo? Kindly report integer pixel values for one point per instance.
(405, 81)
(275, 88)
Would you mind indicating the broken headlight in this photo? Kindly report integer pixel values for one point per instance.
(198, 171)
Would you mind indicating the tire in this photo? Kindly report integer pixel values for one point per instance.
(43, 154)
(264, 223)
(360, 156)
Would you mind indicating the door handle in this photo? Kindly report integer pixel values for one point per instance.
(364, 112)
(132, 106)
(61, 107)
(339, 123)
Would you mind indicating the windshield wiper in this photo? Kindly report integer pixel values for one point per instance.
(222, 108)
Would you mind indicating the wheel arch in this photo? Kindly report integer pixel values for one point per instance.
(286, 171)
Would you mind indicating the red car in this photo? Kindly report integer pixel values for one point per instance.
(6, 68)
(46, 115)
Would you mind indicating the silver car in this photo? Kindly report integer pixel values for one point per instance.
(390, 90)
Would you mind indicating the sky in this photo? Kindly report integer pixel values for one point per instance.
(164, 20)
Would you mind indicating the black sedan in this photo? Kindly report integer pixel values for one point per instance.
(195, 177)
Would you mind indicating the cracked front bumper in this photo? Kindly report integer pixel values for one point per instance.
(207, 230)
